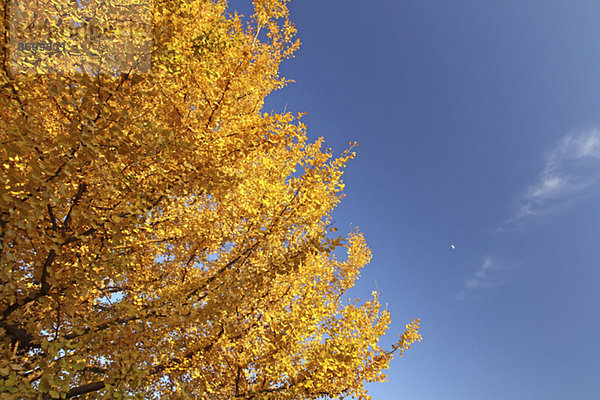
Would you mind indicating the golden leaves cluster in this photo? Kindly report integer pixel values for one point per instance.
(160, 237)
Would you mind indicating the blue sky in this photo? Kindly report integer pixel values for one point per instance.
(478, 125)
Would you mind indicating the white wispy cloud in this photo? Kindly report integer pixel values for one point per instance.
(571, 170)
(571, 167)
(481, 278)
(488, 274)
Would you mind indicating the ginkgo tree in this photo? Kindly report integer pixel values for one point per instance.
(161, 237)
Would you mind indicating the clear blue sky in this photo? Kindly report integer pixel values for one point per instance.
(478, 125)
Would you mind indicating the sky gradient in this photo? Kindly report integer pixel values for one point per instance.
(478, 125)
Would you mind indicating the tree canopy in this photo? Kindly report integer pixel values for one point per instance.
(162, 237)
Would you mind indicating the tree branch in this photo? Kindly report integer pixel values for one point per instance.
(52, 217)
(80, 190)
(87, 388)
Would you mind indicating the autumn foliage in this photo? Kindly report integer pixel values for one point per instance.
(160, 237)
